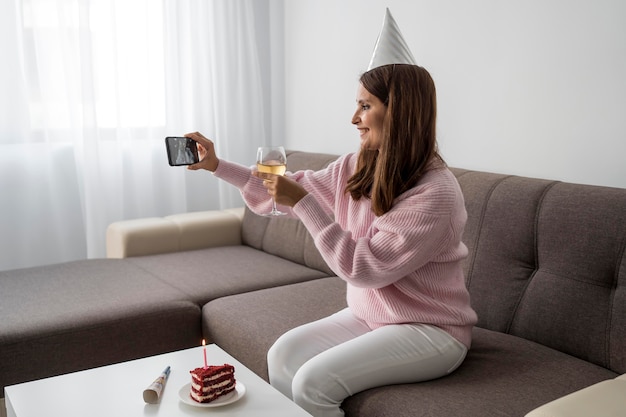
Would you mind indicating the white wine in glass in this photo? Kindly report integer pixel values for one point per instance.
(272, 160)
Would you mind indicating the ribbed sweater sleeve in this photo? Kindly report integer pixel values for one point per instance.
(251, 187)
(399, 244)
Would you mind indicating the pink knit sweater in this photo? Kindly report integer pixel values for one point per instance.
(401, 267)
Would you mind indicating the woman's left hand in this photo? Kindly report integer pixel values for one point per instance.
(282, 189)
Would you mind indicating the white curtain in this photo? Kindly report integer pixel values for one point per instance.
(90, 90)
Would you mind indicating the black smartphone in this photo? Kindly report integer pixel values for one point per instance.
(181, 151)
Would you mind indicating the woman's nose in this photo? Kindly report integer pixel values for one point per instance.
(355, 118)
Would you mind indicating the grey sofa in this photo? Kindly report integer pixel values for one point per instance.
(546, 271)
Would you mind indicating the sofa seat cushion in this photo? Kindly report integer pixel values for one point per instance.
(503, 375)
(77, 315)
(205, 274)
(246, 325)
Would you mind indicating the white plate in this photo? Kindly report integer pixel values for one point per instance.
(229, 398)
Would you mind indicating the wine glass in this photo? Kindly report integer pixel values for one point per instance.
(272, 160)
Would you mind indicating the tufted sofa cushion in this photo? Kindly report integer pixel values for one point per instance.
(547, 263)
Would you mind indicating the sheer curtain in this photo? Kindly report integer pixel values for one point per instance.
(92, 87)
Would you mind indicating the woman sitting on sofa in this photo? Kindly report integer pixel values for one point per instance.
(388, 220)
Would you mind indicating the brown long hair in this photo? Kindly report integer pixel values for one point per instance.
(409, 142)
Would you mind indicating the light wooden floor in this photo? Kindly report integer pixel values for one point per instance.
(3, 411)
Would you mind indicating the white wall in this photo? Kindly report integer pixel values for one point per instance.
(534, 87)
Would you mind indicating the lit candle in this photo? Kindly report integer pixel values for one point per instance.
(204, 352)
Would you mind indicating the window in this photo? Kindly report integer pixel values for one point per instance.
(96, 64)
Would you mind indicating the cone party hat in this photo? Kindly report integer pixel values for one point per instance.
(390, 48)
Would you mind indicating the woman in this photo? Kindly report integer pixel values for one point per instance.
(395, 239)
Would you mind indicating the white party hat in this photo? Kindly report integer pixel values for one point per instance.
(390, 47)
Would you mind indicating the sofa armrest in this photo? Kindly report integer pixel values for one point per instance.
(179, 232)
(604, 399)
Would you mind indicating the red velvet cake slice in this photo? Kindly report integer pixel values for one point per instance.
(211, 383)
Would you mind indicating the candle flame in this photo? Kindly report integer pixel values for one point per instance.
(203, 342)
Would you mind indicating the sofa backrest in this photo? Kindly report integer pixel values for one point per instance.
(547, 262)
(287, 238)
(546, 259)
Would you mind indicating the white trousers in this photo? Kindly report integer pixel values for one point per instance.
(321, 363)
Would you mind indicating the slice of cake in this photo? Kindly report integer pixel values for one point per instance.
(212, 382)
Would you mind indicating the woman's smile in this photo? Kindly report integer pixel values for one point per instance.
(368, 119)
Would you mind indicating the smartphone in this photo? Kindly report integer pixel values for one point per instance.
(181, 151)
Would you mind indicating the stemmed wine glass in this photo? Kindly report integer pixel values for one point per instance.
(272, 160)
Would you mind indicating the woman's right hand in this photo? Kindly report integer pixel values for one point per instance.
(206, 153)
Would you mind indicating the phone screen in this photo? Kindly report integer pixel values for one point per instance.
(181, 151)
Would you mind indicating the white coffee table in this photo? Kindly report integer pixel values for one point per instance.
(116, 390)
